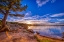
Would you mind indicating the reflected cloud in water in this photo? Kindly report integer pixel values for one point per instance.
(53, 31)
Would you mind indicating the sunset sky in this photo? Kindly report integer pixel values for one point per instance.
(48, 11)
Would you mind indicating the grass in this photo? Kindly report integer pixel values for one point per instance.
(45, 40)
(42, 40)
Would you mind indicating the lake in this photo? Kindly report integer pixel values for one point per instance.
(50, 31)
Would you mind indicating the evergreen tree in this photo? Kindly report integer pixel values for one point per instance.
(6, 6)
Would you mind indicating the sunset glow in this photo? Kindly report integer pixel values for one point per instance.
(28, 22)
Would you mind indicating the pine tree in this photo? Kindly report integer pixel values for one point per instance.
(6, 6)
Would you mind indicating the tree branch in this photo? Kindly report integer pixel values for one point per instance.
(2, 11)
(17, 15)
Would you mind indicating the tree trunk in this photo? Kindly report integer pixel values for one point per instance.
(4, 19)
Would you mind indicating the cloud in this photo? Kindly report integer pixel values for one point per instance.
(14, 19)
(43, 2)
(46, 19)
(40, 3)
(17, 19)
(52, 1)
(34, 19)
(57, 15)
(61, 19)
(28, 14)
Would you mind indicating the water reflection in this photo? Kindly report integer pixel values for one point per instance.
(53, 31)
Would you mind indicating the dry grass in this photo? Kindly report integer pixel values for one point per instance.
(47, 39)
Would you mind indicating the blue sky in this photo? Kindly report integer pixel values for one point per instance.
(50, 11)
(42, 7)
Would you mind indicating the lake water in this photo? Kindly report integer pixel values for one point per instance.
(53, 31)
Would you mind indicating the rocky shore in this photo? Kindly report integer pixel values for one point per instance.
(18, 33)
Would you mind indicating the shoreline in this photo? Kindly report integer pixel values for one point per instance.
(23, 34)
(41, 38)
(48, 38)
(61, 39)
(51, 39)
